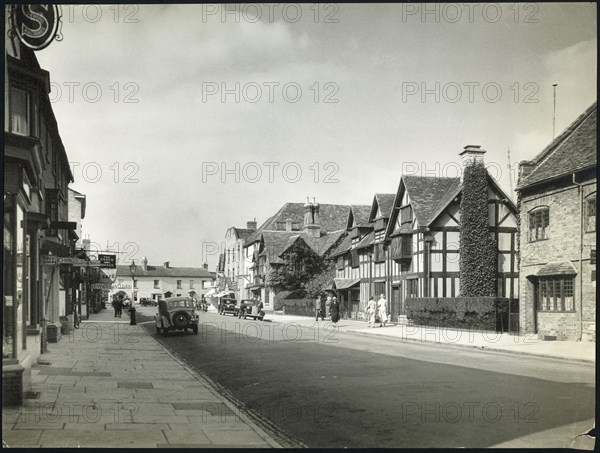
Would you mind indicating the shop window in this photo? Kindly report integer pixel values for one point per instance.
(590, 213)
(539, 221)
(19, 111)
(556, 294)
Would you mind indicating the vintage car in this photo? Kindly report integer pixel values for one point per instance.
(147, 302)
(176, 314)
(251, 308)
(228, 305)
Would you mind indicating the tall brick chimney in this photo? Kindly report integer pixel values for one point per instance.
(166, 264)
(205, 266)
(469, 154)
(311, 225)
(525, 168)
(145, 263)
(251, 224)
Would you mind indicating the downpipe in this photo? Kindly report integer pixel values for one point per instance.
(580, 189)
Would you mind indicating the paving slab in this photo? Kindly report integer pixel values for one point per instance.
(112, 386)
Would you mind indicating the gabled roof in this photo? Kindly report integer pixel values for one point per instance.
(321, 245)
(573, 150)
(274, 243)
(342, 247)
(161, 271)
(358, 215)
(366, 241)
(332, 217)
(385, 202)
(243, 233)
(429, 194)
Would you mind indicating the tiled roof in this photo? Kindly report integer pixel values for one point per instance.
(320, 245)
(557, 268)
(385, 202)
(429, 194)
(274, 243)
(332, 217)
(161, 271)
(342, 247)
(573, 150)
(366, 241)
(360, 214)
(243, 233)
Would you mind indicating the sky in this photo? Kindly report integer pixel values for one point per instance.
(181, 121)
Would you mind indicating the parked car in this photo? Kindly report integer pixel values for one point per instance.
(251, 308)
(147, 302)
(228, 305)
(176, 314)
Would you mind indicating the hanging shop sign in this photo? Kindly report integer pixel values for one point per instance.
(108, 261)
(52, 260)
(36, 25)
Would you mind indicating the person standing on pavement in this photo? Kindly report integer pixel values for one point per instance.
(382, 310)
(334, 310)
(371, 309)
(114, 305)
(328, 307)
(119, 306)
(318, 310)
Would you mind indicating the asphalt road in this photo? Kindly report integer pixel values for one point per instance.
(337, 389)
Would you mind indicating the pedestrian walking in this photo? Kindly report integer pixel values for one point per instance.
(119, 307)
(114, 305)
(334, 309)
(371, 309)
(328, 307)
(382, 310)
(318, 309)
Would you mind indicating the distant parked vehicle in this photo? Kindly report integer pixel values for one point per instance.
(251, 308)
(147, 302)
(176, 314)
(228, 305)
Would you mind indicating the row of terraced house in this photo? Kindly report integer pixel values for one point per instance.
(43, 278)
(406, 243)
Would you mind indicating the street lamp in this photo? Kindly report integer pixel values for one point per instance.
(132, 269)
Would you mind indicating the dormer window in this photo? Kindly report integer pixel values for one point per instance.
(406, 215)
(539, 221)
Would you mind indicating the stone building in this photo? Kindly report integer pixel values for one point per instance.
(557, 193)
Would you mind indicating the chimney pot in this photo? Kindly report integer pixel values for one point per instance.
(167, 264)
(471, 153)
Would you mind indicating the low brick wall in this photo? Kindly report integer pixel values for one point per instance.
(300, 307)
(483, 313)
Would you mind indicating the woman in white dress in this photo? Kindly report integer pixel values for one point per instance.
(382, 308)
(371, 309)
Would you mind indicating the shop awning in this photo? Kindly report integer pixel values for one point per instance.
(210, 293)
(345, 283)
(557, 268)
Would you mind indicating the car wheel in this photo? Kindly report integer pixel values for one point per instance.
(261, 318)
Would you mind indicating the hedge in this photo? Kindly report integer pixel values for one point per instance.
(484, 313)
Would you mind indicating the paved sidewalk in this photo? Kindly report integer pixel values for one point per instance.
(112, 385)
(582, 351)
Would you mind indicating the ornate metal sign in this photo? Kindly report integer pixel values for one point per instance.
(36, 25)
